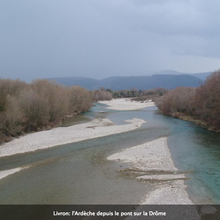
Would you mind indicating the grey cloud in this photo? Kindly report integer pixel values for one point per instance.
(102, 38)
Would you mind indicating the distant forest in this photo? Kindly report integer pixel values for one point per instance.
(201, 104)
(139, 95)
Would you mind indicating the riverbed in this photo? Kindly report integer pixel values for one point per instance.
(79, 173)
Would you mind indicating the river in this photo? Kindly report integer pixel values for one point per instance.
(79, 173)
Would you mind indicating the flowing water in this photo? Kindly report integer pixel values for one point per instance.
(79, 173)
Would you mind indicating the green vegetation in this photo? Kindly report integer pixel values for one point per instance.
(140, 95)
(37, 106)
(201, 105)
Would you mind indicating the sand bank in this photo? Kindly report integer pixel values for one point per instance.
(5, 173)
(127, 104)
(153, 162)
(65, 135)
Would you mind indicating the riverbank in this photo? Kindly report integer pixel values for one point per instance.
(126, 104)
(64, 135)
(5, 173)
(196, 121)
(152, 163)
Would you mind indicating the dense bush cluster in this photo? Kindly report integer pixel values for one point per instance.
(202, 103)
(39, 105)
(180, 99)
(102, 94)
(140, 95)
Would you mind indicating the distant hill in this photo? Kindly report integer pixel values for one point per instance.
(202, 76)
(167, 81)
(85, 82)
(108, 81)
(150, 82)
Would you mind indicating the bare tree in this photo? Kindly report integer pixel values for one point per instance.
(13, 117)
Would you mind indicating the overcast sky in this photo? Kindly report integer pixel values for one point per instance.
(101, 38)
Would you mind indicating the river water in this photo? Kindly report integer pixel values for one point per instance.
(79, 173)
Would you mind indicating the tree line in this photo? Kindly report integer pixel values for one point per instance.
(140, 95)
(39, 105)
(201, 104)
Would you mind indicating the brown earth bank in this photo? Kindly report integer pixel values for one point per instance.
(195, 120)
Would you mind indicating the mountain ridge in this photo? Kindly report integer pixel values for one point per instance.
(168, 81)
